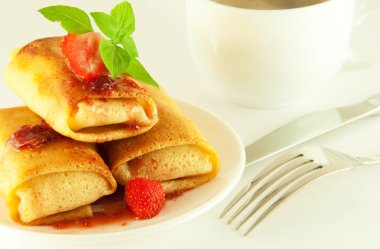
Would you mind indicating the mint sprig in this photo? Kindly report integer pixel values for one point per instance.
(119, 51)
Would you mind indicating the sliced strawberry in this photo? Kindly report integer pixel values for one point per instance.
(82, 55)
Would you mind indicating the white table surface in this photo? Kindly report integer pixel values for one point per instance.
(339, 211)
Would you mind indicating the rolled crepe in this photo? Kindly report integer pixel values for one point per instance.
(173, 152)
(98, 111)
(51, 183)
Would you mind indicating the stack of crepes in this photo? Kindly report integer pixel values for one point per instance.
(142, 131)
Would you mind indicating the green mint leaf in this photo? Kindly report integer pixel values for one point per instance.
(123, 16)
(118, 26)
(130, 46)
(138, 72)
(115, 58)
(105, 23)
(72, 19)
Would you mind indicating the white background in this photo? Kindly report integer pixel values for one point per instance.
(339, 211)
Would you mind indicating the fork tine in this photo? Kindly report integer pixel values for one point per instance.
(236, 199)
(270, 182)
(267, 171)
(312, 175)
(287, 181)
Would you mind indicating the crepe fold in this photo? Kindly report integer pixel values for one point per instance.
(173, 152)
(54, 182)
(99, 111)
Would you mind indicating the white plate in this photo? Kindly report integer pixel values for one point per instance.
(187, 206)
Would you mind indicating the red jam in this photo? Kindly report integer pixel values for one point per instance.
(106, 85)
(110, 209)
(32, 136)
(119, 216)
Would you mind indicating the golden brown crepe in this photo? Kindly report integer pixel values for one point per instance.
(91, 112)
(173, 152)
(51, 183)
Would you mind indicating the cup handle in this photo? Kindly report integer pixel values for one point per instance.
(355, 59)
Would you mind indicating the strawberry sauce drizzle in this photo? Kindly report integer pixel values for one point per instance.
(110, 209)
(32, 137)
(121, 216)
(105, 85)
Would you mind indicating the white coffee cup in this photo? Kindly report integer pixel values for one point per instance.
(270, 58)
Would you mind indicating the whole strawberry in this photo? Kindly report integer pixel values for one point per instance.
(145, 198)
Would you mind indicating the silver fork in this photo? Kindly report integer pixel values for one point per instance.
(281, 179)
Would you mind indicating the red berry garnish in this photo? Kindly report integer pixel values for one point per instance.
(145, 198)
(82, 55)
